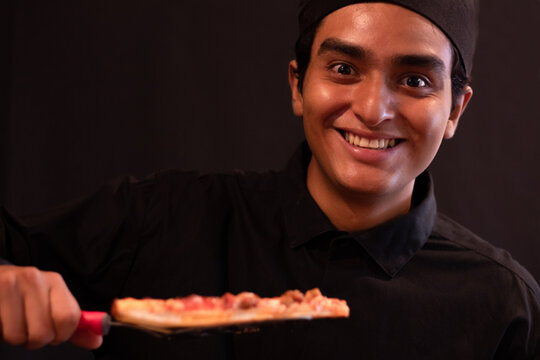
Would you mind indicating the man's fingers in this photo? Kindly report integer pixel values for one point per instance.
(65, 310)
(35, 289)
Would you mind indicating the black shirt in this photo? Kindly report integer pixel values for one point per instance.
(419, 286)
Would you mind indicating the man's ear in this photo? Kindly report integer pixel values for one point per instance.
(461, 103)
(297, 99)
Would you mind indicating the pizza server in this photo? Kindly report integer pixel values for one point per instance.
(99, 323)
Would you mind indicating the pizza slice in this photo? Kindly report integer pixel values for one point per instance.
(229, 309)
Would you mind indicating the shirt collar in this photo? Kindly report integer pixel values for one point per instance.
(391, 245)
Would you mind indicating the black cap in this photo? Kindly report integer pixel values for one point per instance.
(458, 19)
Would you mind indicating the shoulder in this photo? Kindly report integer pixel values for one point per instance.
(481, 251)
(231, 187)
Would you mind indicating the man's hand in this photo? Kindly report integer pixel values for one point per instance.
(37, 309)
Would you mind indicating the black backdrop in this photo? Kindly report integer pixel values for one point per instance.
(98, 89)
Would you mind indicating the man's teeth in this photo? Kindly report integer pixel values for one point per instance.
(378, 144)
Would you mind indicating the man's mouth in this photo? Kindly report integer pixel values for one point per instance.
(375, 144)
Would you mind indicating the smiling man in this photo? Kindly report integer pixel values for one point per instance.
(376, 99)
(378, 85)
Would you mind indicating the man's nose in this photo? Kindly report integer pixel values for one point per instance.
(374, 101)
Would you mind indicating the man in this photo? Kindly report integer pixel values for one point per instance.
(379, 86)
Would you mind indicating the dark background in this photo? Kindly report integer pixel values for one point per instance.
(99, 89)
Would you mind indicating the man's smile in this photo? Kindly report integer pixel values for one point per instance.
(373, 143)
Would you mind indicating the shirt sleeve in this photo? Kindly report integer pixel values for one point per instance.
(521, 339)
(91, 242)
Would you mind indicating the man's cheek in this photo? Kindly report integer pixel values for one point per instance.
(326, 102)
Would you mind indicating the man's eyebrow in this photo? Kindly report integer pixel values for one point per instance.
(336, 45)
(430, 62)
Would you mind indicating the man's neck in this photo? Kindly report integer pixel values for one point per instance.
(350, 211)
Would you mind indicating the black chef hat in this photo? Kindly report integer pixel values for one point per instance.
(458, 19)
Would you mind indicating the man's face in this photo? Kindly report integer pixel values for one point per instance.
(376, 99)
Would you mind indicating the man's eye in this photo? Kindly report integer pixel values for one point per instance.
(343, 69)
(416, 82)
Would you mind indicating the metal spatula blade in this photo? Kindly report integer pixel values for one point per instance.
(99, 323)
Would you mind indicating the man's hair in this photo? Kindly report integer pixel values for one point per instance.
(304, 44)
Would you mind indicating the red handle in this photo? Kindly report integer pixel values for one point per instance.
(97, 322)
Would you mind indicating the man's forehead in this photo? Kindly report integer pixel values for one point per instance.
(457, 19)
(382, 21)
(383, 32)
